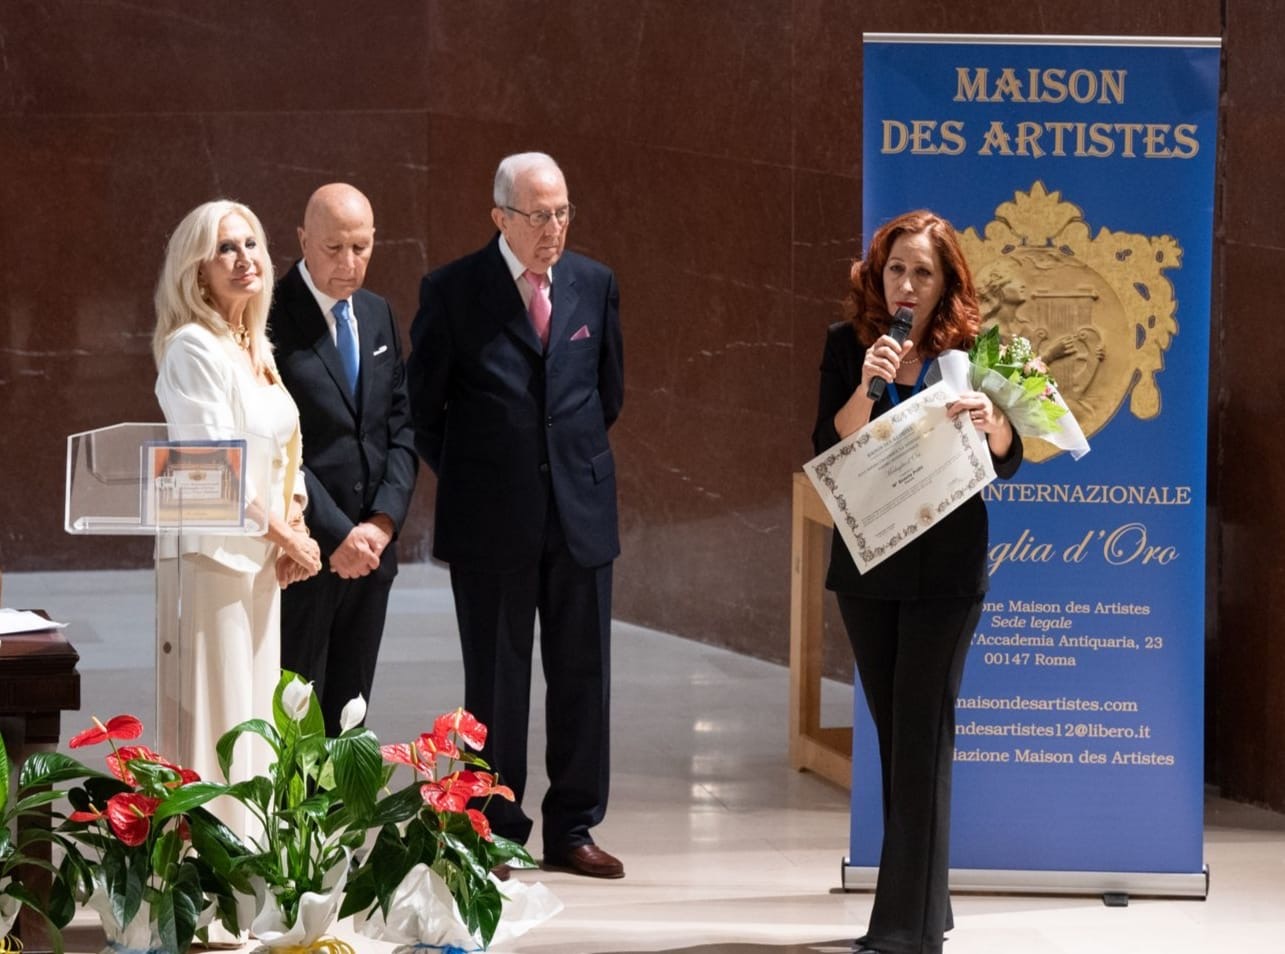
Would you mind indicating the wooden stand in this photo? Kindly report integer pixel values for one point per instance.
(38, 680)
(827, 751)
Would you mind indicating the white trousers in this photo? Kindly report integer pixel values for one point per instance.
(218, 661)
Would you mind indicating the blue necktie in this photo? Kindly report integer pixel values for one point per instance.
(346, 342)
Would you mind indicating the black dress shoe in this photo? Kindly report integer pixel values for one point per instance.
(587, 860)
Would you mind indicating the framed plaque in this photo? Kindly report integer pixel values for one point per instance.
(194, 482)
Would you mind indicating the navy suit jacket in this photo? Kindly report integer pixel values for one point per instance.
(501, 422)
(358, 455)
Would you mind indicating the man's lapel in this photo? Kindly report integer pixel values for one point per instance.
(564, 297)
(501, 298)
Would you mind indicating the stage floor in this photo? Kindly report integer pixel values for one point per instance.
(726, 849)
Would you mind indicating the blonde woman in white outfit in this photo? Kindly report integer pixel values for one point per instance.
(216, 379)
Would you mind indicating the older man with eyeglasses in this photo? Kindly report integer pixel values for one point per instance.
(515, 375)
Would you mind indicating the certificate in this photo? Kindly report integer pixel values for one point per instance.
(900, 474)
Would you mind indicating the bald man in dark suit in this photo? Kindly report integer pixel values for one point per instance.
(340, 356)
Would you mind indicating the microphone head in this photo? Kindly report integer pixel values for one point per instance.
(903, 318)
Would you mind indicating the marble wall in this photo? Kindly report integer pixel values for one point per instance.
(713, 151)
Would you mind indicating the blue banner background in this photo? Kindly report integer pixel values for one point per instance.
(1081, 816)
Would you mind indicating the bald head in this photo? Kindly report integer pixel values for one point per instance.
(336, 238)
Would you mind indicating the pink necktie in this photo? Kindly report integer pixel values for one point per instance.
(540, 308)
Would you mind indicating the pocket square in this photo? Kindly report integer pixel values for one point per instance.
(582, 334)
(378, 351)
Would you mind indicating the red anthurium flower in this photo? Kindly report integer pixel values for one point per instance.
(398, 752)
(92, 815)
(480, 824)
(130, 817)
(122, 727)
(407, 753)
(481, 784)
(442, 797)
(437, 743)
(462, 722)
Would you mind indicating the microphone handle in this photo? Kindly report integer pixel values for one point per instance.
(900, 331)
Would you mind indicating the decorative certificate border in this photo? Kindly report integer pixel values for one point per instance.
(820, 471)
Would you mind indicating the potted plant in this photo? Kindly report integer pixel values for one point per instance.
(14, 894)
(138, 846)
(315, 806)
(427, 880)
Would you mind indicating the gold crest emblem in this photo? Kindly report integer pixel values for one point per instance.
(1099, 311)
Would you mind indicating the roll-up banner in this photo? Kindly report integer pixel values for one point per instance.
(1079, 172)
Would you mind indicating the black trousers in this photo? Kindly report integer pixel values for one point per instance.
(496, 614)
(330, 634)
(910, 656)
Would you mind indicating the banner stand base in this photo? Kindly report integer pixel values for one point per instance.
(1152, 884)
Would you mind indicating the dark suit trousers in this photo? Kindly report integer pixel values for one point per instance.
(496, 614)
(910, 655)
(330, 634)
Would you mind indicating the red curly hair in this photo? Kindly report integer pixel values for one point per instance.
(956, 321)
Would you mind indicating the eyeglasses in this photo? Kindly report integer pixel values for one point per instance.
(540, 219)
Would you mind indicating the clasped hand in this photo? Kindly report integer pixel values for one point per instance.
(300, 556)
(359, 554)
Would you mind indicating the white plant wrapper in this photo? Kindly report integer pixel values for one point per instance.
(1021, 410)
(9, 908)
(318, 912)
(136, 937)
(423, 914)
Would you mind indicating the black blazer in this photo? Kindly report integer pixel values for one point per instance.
(500, 422)
(358, 455)
(949, 559)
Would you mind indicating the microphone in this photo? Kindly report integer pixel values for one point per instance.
(899, 331)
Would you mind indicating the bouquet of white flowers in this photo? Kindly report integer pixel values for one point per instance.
(1012, 375)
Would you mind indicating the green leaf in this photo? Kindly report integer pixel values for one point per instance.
(165, 855)
(4, 775)
(166, 926)
(254, 791)
(227, 741)
(358, 769)
(39, 799)
(469, 861)
(398, 807)
(47, 768)
(123, 884)
(487, 905)
(182, 800)
(390, 858)
(187, 899)
(48, 913)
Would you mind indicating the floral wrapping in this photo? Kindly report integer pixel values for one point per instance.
(1017, 381)
(423, 916)
(317, 913)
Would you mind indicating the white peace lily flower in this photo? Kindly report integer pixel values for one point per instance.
(295, 698)
(353, 713)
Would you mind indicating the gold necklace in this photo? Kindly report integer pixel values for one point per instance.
(241, 335)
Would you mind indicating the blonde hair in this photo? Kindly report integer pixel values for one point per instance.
(178, 294)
